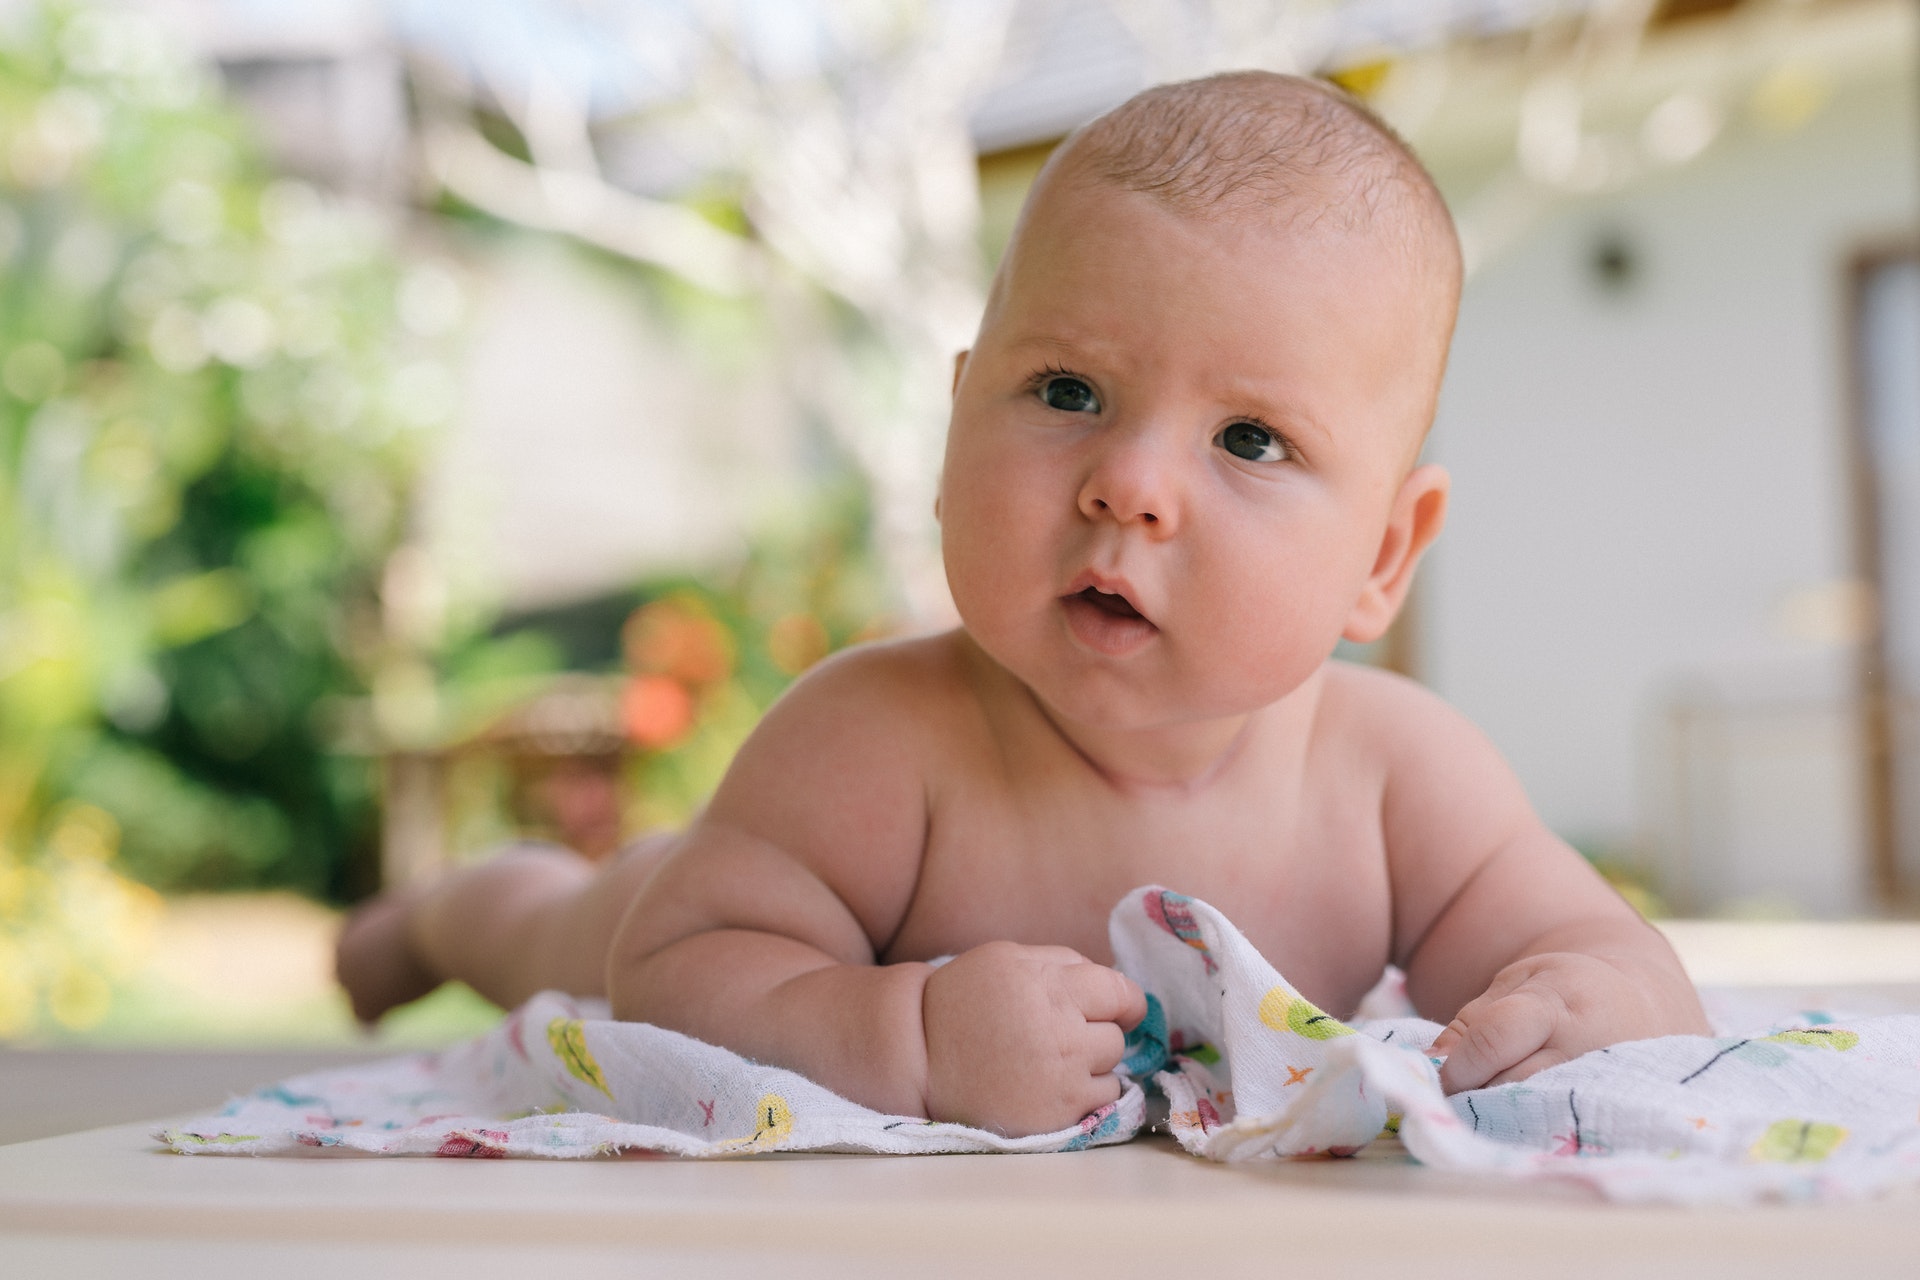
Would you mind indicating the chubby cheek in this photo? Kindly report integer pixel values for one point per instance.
(1247, 649)
(1258, 627)
(994, 522)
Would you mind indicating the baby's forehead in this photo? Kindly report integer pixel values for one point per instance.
(1308, 210)
(1288, 155)
(1312, 224)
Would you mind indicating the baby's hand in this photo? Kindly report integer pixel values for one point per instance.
(1024, 1040)
(1551, 1008)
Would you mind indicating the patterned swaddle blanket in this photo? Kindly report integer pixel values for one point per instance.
(1809, 1109)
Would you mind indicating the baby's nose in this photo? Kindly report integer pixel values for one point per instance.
(1124, 512)
(1132, 484)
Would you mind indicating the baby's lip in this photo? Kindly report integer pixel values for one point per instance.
(1115, 595)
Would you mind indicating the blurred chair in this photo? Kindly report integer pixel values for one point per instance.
(562, 754)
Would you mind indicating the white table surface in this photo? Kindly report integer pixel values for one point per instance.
(107, 1202)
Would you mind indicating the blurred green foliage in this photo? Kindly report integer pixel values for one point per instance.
(210, 414)
(215, 389)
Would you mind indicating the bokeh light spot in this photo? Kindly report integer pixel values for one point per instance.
(657, 711)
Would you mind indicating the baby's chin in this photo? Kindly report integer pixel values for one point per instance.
(1155, 689)
(1148, 711)
(1144, 698)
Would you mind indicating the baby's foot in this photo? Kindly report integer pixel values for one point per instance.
(374, 960)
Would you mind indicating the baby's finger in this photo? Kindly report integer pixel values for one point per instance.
(1534, 1062)
(1105, 995)
(1098, 1092)
(1101, 1046)
(1444, 1043)
(1497, 1037)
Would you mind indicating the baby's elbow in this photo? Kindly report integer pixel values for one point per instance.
(669, 978)
(634, 968)
(626, 985)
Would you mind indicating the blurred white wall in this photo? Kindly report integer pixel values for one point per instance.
(600, 440)
(1653, 502)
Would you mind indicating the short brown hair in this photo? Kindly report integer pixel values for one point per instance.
(1256, 141)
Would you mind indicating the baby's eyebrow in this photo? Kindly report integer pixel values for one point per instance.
(1264, 400)
(1067, 348)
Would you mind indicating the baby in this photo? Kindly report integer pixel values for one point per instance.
(1181, 467)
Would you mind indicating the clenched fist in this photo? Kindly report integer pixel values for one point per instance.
(1024, 1040)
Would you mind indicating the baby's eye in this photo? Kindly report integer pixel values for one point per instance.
(1069, 395)
(1251, 441)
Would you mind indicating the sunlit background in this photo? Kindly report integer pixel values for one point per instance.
(425, 422)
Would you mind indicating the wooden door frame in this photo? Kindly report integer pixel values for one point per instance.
(1881, 791)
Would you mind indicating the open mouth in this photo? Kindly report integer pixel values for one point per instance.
(1107, 622)
(1109, 602)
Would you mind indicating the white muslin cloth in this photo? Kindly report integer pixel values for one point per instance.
(1810, 1109)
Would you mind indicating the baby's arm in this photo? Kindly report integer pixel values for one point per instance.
(1497, 918)
(762, 932)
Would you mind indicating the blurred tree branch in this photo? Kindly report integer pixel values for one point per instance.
(570, 195)
(855, 176)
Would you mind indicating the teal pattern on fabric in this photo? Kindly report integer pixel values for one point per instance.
(1147, 1043)
(1101, 1126)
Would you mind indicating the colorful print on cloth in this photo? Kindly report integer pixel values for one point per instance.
(772, 1125)
(568, 1038)
(590, 1086)
(1813, 1108)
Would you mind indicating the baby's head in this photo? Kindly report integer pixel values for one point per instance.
(1180, 466)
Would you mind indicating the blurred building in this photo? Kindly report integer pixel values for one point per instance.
(1679, 584)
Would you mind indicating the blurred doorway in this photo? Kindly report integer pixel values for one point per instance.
(1886, 354)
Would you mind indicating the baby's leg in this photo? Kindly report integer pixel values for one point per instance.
(534, 917)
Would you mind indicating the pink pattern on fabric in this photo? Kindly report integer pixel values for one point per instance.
(1173, 912)
(468, 1146)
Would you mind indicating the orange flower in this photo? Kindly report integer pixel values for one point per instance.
(657, 711)
(677, 637)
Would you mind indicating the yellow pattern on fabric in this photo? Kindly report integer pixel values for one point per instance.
(568, 1037)
(1798, 1140)
(1284, 1011)
(1819, 1038)
(772, 1125)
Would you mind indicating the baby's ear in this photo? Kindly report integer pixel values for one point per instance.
(1419, 510)
(959, 367)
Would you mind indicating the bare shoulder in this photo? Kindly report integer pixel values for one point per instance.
(924, 663)
(1449, 802)
(855, 735)
(1355, 690)
(830, 791)
(882, 697)
(1430, 757)
(1391, 721)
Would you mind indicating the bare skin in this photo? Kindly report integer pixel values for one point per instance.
(1177, 474)
(533, 918)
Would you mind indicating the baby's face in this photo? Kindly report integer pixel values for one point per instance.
(1173, 452)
